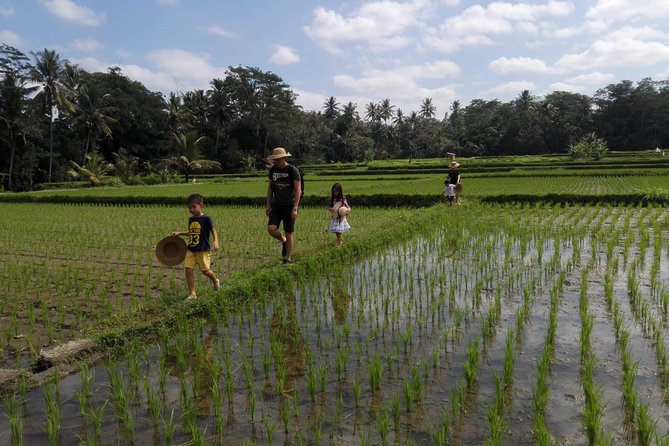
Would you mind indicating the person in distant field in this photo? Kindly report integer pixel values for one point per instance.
(284, 192)
(454, 179)
(339, 223)
(200, 226)
(449, 192)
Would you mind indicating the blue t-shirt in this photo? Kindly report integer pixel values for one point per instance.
(199, 229)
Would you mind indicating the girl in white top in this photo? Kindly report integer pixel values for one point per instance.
(339, 209)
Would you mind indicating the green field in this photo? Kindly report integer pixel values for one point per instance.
(514, 317)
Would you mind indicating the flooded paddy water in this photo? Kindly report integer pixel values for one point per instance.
(492, 327)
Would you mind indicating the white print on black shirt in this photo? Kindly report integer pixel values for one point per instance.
(277, 175)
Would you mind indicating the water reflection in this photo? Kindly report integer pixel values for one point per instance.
(341, 300)
(197, 365)
(284, 328)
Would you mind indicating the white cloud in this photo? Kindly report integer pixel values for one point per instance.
(284, 56)
(185, 66)
(562, 33)
(625, 47)
(387, 83)
(218, 31)
(624, 10)
(10, 38)
(583, 83)
(310, 101)
(595, 79)
(476, 24)
(511, 88)
(153, 80)
(70, 11)
(7, 12)
(379, 23)
(87, 45)
(505, 65)
(402, 85)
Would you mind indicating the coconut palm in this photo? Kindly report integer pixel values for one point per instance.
(218, 108)
(427, 109)
(331, 110)
(94, 170)
(93, 113)
(373, 112)
(386, 110)
(189, 161)
(47, 73)
(457, 122)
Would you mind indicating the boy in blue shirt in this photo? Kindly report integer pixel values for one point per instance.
(199, 250)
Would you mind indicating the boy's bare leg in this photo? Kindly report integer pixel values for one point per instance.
(214, 280)
(190, 281)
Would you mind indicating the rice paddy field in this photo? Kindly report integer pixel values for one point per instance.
(486, 323)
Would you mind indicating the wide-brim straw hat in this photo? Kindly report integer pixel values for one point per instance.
(334, 212)
(458, 188)
(454, 164)
(278, 153)
(343, 211)
(171, 250)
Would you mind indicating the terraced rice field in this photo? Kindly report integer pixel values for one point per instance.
(488, 324)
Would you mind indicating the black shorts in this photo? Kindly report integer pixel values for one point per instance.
(278, 214)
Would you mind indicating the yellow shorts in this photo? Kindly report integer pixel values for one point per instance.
(201, 259)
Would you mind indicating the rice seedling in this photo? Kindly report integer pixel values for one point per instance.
(375, 373)
(152, 402)
(13, 413)
(645, 426)
(357, 392)
(593, 410)
(170, 428)
(472, 361)
(383, 426)
(496, 426)
(53, 420)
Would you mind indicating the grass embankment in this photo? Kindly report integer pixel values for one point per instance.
(619, 178)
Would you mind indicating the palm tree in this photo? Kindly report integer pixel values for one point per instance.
(92, 113)
(331, 107)
(373, 112)
(189, 161)
(457, 121)
(218, 108)
(178, 115)
(47, 73)
(386, 111)
(427, 109)
(94, 170)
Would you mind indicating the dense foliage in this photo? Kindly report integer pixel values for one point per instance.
(53, 114)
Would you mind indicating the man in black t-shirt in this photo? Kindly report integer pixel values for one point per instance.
(454, 178)
(283, 198)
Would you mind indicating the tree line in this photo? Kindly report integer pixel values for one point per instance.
(58, 121)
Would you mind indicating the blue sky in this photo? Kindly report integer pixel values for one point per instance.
(358, 51)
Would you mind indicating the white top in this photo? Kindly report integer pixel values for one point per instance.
(450, 190)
